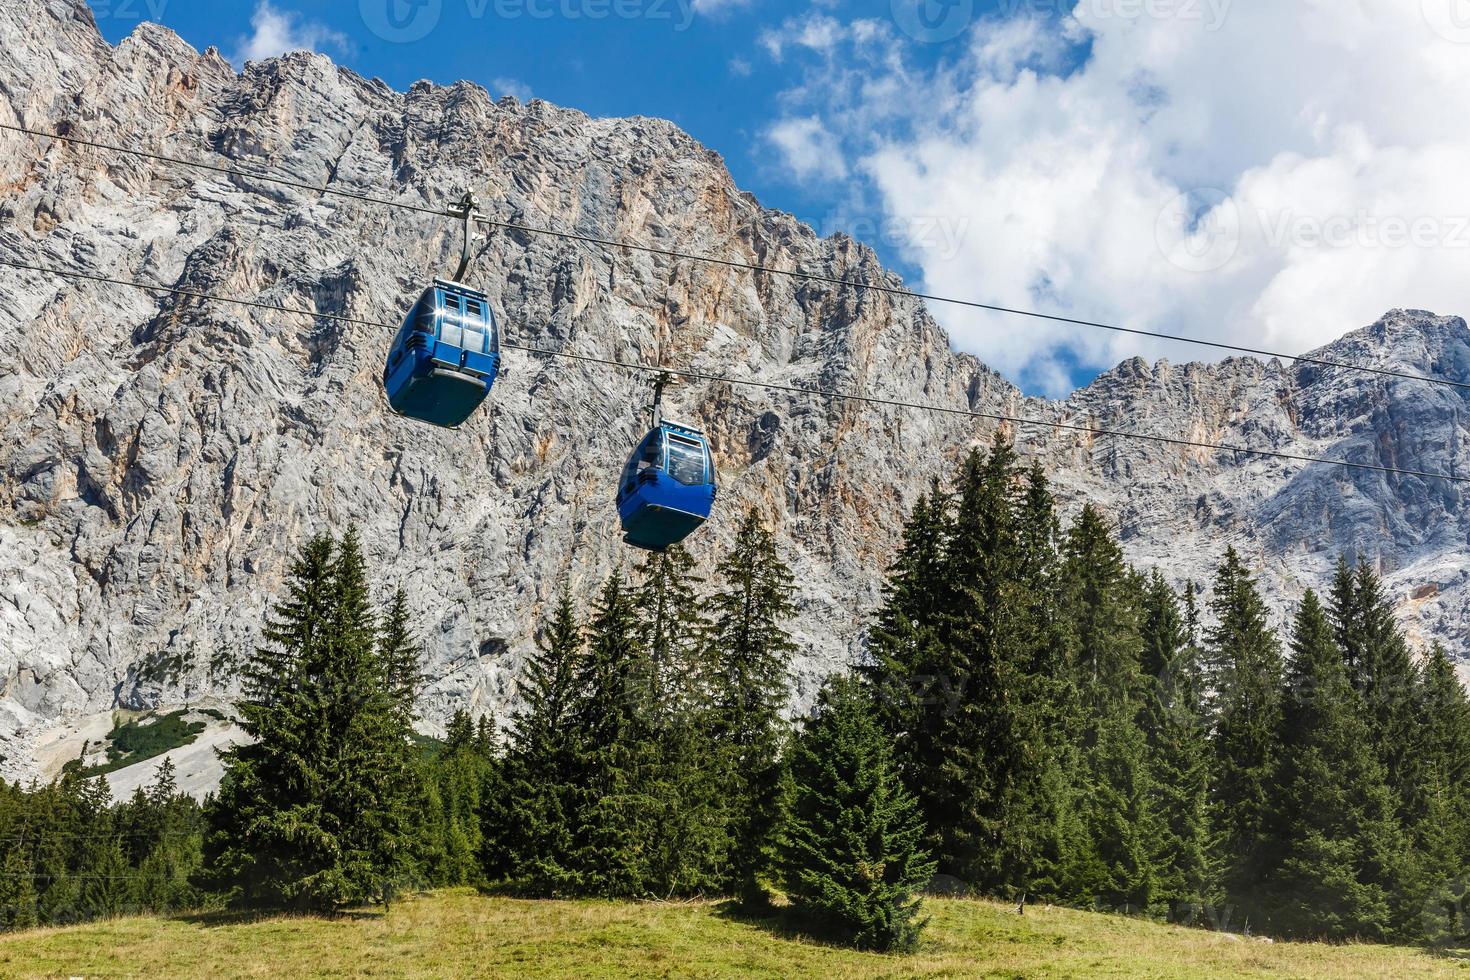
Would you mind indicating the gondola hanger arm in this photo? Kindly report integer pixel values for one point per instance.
(468, 211)
(661, 381)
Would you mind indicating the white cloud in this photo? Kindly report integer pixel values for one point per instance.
(1323, 144)
(810, 151)
(511, 86)
(716, 7)
(815, 32)
(275, 31)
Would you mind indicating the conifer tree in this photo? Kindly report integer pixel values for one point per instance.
(255, 852)
(544, 771)
(618, 811)
(461, 797)
(851, 852)
(1334, 832)
(485, 740)
(1247, 730)
(1382, 669)
(751, 651)
(370, 768)
(105, 879)
(908, 668)
(969, 787)
(459, 734)
(401, 657)
(1115, 792)
(1434, 900)
(314, 812)
(673, 631)
(1444, 739)
(1173, 722)
(688, 774)
(162, 834)
(17, 889)
(1047, 713)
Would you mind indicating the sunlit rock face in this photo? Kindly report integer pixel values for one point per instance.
(162, 457)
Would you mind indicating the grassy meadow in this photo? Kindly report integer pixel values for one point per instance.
(461, 933)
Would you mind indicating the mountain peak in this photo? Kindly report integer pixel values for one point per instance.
(162, 457)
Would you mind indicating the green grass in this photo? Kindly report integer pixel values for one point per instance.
(143, 738)
(461, 933)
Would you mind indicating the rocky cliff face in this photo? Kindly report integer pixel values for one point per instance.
(160, 457)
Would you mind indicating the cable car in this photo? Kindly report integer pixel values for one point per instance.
(668, 487)
(446, 356)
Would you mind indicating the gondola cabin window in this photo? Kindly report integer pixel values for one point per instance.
(686, 460)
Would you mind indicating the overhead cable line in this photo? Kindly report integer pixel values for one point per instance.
(228, 171)
(70, 876)
(43, 837)
(824, 393)
(749, 266)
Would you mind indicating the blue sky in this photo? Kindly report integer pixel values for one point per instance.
(1269, 173)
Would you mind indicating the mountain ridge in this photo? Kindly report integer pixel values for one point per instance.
(162, 456)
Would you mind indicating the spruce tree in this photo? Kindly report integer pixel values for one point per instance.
(459, 734)
(851, 853)
(688, 773)
(1047, 715)
(967, 661)
(314, 812)
(105, 879)
(401, 657)
(907, 666)
(618, 811)
(969, 787)
(1115, 794)
(1383, 671)
(544, 771)
(162, 835)
(751, 650)
(673, 631)
(1247, 729)
(1444, 762)
(265, 845)
(17, 889)
(1333, 831)
(1434, 900)
(371, 771)
(460, 799)
(1173, 722)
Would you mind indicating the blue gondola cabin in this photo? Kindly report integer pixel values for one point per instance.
(446, 356)
(667, 488)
